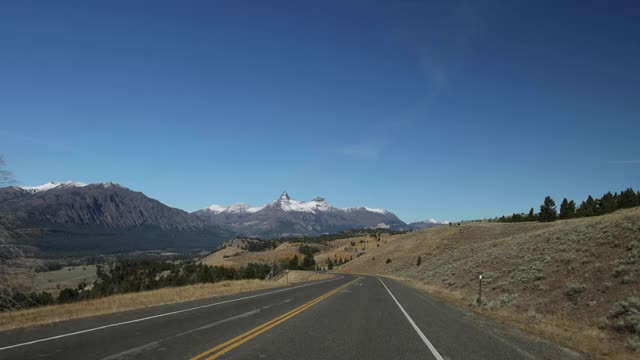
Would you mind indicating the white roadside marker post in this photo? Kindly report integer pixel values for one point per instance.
(480, 290)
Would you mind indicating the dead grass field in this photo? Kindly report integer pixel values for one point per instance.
(235, 257)
(117, 303)
(67, 277)
(341, 248)
(562, 280)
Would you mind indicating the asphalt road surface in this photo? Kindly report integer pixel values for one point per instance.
(348, 317)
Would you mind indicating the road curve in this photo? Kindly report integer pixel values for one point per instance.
(347, 317)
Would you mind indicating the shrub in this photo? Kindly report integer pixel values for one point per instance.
(620, 270)
(573, 291)
(624, 316)
(633, 343)
(388, 260)
(68, 295)
(419, 261)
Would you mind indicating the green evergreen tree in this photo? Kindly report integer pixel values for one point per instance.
(567, 209)
(419, 261)
(571, 209)
(294, 263)
(548, 210)
(628, 198)
(587, 207)
(531, 216)
(607, 204)
(308, 263)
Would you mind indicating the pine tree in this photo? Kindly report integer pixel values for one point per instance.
(587, 207)
(308, 263)
(567, 209)
(571, 209)
(419, 261)
(294, 263)
(548, 210)
(607, 204)
(531, 216)
(628, 198)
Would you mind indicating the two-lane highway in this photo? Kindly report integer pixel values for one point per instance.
(347, 317)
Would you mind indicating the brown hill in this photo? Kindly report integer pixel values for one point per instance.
(576, 281)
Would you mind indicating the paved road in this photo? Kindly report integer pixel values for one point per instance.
(349, 317)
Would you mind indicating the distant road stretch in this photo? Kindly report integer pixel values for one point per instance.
(349, 317)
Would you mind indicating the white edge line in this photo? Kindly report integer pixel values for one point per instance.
(415, 327)
(161, 315)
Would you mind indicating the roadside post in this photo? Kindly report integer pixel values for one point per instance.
(480, 290)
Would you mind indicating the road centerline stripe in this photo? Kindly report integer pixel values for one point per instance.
(229, 345)
(160, 315)
(413, 324)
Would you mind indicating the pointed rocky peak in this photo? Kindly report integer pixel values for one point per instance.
(284, 197)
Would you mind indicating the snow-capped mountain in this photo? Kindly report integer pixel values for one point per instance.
(102, 217)
(285, 203)
(426, 224)
(51, 185)
(286, 216)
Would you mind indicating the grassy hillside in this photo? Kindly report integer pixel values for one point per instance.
(576, 281)
(335, 249)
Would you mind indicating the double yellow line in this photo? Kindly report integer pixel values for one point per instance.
(225, 347)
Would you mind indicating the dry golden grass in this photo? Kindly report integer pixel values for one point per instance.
(236, 257)
(561, 329)
(527, 268)
(132, 301)
(223, 257)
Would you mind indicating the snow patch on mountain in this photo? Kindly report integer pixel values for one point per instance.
(235, 208)
(286, 203)
(51, 185)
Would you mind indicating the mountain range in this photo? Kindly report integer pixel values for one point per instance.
(288, 217)
(79, 218)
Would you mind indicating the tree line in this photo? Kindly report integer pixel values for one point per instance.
(606, 204)
(346, 234)
(134, 275)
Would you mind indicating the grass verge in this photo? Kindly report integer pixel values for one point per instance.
(559, 329)
(140, 300)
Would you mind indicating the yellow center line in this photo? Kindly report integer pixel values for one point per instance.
(227, 346)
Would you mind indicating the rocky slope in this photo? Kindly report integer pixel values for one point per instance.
(100, 217)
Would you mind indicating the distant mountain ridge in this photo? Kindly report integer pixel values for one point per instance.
(426, 224)
(74, 217)
(286, 216)
(107, 217)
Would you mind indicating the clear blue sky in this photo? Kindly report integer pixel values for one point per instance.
(455, 111)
